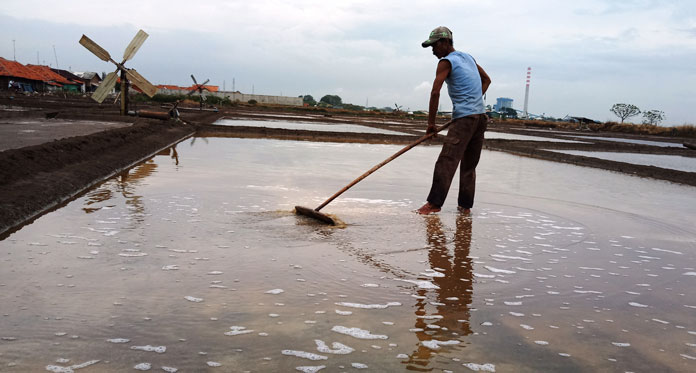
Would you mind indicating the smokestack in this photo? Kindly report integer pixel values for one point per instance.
(526, 93)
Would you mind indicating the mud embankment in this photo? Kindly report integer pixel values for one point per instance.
(39, 178)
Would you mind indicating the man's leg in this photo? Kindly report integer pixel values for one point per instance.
(451, 154)
(467, 170)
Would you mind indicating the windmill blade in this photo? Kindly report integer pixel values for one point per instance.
(105, 87)
(141, 82)
(134, 45)
(206, 81)
(95, 48)
(194, 79)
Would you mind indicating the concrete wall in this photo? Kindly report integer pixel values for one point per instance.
(241, 97)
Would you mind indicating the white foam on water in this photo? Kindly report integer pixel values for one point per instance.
(660, 321)
(526, 327)
(481, 275)
(367, 306)
(344, 313)
(688, 356)
(370, 285)
(170, 369)
(118, 340)
(498, 270)
(62, 360)
(359, 365)
(434, 344)
(486, 323)
(689, 274)
(516, 314)
(148, 348)
(513, 303)
(304, 355)
(143, 366)
(275, 291)
(336, 348)
(132, 255)
(564, 354)
(402, 356)
(422, 284)
(193, 299)
(214, 273)
(512, 257)
(542, 343)
(667, 251)
(310, 369)
(621, 344)
(488, 367)
(213, 364)
(357, 333)
(636, 304)
(238, 330)
(432, 273)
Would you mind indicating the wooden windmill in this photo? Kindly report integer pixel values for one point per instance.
(126, 74)
(199, 88)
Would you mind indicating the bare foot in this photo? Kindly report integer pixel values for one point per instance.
(462, 210)
(428, 209)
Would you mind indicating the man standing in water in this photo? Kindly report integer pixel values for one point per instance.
(466, 85)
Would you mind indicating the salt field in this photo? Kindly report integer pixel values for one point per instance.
(674, 162)
(511, 136)
(194, 261)
(662, 144)
(310, 126)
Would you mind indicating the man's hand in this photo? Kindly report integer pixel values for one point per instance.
(432, 128)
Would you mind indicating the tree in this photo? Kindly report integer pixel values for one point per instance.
(332, 100)
(625, 111)
(509, 112)
(653, 117)
(309, 100)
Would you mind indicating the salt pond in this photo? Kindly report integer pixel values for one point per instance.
(674, 162)
(310, 126)
(220, 275)
(631, 141)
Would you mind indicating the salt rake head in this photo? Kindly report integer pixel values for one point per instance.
(314, 214)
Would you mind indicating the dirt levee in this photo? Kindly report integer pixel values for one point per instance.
(36, 178)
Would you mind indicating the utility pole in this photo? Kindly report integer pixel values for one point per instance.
(233, 90)
(56, 55)
(223, 86)
(252, 89)
(14, 51)
(37, 58)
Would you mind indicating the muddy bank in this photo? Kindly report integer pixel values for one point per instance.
(38, 178)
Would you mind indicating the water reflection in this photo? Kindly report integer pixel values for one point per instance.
(125, 184)
(452, 273)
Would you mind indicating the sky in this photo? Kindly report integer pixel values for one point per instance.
(585, 56)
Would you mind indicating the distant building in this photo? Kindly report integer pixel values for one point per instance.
(502, 103)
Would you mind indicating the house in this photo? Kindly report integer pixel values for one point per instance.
(15, 76)
(77, 84)
(52, 81)
(90, 79)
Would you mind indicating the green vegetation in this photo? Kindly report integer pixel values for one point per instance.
(332, 100)
(653, 117)
(625, 111)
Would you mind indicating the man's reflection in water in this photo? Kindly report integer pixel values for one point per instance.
(444, 315)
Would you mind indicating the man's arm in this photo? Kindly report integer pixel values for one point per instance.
(443, 69)
(485, 79)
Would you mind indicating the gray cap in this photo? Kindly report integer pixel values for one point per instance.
(441, 32)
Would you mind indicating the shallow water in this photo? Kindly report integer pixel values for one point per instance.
(513, 136)
(632, 141)
(310, 126)
(674, 162)
(193, 260)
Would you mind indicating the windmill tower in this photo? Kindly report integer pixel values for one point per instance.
(126, 74)
(199, 87)
(526, 93)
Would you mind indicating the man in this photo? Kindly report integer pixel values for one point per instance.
(467, 82)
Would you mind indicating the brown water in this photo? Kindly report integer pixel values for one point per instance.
(559, 268)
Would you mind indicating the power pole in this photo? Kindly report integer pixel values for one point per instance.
(56, 55)
(14, 51)
(233, 90)
(223, 86)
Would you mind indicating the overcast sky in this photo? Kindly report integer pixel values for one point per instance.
(585, 56)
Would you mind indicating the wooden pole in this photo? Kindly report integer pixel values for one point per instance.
(124, 93)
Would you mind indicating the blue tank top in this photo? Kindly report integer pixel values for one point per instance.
(464, 85)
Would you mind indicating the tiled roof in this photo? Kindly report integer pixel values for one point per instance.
(47, 75)
(211, 88)
(17, 70)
